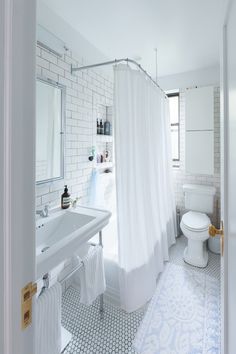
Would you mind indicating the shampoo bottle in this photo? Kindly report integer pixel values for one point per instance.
(101, 127)
(98, 127)
(107, 128)
(65, 199)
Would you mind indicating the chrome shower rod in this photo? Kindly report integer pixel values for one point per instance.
(116, 61)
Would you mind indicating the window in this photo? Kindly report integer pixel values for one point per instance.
(174, 122)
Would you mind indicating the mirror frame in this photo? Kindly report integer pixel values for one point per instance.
(62, 132)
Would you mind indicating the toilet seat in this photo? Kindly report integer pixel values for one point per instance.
(195, 221)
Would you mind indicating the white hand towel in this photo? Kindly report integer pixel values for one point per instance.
(48, 321)
(92, 275)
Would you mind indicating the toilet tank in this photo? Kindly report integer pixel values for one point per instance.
(199, 197)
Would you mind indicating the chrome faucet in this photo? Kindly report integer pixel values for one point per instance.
(74, 202)
(43, 212)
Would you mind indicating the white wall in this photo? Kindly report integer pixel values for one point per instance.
(78, 44)
(180, 176)
(84, 92)
(205, 77)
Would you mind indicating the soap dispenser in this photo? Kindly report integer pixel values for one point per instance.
(65, 199)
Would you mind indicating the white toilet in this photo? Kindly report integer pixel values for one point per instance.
(199, 199)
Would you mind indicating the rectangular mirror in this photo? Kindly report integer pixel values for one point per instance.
(50, 103)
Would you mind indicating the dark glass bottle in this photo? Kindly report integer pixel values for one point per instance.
(98, 127)
(65, 199)
(107, 130)
(101, 127)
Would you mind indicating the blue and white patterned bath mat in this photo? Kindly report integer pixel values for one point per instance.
(183, 316)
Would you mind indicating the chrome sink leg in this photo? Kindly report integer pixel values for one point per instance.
(101, 309)
(100, 238)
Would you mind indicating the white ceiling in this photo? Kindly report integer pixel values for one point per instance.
(186, 33)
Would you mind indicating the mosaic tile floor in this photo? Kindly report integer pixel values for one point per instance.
(115, 333)
(91, 334)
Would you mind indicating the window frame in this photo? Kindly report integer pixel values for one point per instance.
(176, 94)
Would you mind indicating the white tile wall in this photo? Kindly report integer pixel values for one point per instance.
(180, 177)
(84, 92)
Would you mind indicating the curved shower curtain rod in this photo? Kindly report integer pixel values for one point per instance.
(116, 61)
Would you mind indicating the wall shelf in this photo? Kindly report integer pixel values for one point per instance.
(104, 138)
(104, 165)
(103, 143)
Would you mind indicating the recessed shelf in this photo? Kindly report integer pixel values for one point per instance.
(104, 165)
(104, 138)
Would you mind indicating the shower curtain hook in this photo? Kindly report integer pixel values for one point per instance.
(140, 69)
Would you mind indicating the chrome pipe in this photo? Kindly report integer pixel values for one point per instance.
(74, 270)
(101, 298)
(80, 265)
(116, 61)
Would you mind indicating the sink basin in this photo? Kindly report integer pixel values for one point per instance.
(63, 232)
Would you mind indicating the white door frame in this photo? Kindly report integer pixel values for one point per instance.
(224, 194)
(17, 176)
(228, 206)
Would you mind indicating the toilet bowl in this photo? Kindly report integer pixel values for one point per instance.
(198, 200)
(194, 226)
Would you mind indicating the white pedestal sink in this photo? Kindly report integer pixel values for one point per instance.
(60, 234)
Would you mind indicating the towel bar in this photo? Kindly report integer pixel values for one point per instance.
(80, 265)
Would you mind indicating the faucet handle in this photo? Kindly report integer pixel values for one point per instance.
(46, 209)
(43, 212)
(75, 201)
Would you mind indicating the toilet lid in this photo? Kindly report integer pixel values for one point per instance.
(196, 221)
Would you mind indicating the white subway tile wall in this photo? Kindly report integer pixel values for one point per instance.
(85, 91)
(180, 177)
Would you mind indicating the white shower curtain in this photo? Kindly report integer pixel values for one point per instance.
(145, 197)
